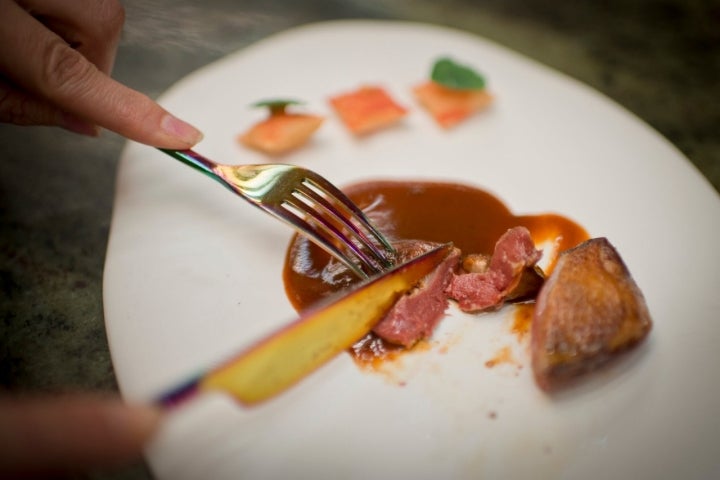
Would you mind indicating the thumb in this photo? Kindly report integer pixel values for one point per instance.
(70, 434)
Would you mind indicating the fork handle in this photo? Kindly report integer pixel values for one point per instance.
(196, 161)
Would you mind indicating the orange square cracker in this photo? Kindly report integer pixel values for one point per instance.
(449, 106)
(367, 109)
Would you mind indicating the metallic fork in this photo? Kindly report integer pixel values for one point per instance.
(309, 203)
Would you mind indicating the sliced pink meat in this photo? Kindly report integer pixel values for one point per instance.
(514, 252)
(416, 314)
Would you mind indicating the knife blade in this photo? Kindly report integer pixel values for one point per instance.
(283, 358)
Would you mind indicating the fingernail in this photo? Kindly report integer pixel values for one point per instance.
(77, 125)
(181, 130)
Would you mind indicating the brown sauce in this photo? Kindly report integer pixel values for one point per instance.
(522, 318)
(502, 356)
(471, 218)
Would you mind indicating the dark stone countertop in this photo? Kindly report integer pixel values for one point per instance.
(659, 59)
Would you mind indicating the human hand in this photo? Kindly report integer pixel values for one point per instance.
(41, 437)
(55, 61)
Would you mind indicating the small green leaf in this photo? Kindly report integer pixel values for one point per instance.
(453, 75)
(276, 105)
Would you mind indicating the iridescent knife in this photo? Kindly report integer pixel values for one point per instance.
(280, 360)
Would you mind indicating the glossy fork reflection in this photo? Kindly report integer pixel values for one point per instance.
(309, 203)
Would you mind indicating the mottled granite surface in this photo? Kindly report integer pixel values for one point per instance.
(659, 59)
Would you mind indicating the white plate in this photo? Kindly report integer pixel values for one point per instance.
(193, 274)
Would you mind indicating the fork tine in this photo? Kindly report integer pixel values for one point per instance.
(321, 184)
(307, 193)
(334, 233)
(309, 203)
(321, 238)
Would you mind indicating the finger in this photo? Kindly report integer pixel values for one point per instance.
(43, 64)
(71, 434)
(93, 27)
(19, 108)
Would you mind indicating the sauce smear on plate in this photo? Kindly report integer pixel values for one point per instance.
(471, 218)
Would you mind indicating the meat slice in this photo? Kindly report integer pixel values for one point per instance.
(588, 311)
(416, 314)
(511, 264)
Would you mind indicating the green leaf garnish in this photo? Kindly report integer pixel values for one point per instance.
(276, 105)
(453, 75)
